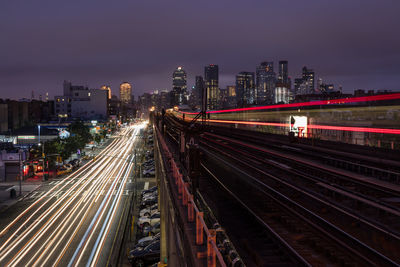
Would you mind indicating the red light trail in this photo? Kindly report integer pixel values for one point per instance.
(314, 103)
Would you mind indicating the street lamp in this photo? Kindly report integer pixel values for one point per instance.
(42, 145)
(39, 133)
(20, 172)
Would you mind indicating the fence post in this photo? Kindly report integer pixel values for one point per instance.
(199, 228)
(211, 254)
(185, 193)
(190, 208)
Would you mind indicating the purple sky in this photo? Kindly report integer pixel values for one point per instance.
(93, 42)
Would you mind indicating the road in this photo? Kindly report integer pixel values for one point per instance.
(73, 221)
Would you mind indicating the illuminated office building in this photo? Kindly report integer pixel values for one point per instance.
(125, 93)
(211, 85)
(265, 82)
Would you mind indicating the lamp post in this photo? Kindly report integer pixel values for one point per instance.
(20, 173)
(39, 133)
(43, 157)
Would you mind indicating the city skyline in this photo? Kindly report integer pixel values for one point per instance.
(74, 42)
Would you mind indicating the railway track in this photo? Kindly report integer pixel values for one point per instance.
(257, 244)
(381, 165)
(359, 234)
(325, 216)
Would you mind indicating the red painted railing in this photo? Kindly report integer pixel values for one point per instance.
(194, 215)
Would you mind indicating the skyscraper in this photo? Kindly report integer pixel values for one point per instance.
(211, 85)
(245, 89)
(108, 89)
(308, 77)
(125, 93)
(283, 76)
(231, 100)
(199, 90)
(179, 87)
(305, 84)
(265, 82)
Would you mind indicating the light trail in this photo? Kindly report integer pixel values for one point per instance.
(94, 255)
(309, 104)
(43, 231)
(310, 126)
(43, 215)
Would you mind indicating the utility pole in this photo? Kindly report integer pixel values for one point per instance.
(20, 173)
(39, 132)
(44, 177)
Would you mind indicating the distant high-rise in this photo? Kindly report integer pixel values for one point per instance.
(283, 76)
(231, 90)
(108, 89)
(297, 85)
(179, 88)
(305, 84)
(308, 78)
(265, 82)
(281, 94)
(211, 85)
(245, 89)
(231, 100)
(199, 91)
(125, 93)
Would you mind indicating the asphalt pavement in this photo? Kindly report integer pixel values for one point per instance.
(73, 220)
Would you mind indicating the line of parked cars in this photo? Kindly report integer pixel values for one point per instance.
(148, 166)
(147, 249)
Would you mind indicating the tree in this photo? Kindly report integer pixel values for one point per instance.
(97, 138)
(80, 129)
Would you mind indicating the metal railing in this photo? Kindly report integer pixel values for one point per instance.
(194, 215)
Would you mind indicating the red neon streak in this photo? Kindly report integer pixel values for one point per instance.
(321, 127)
(310, 126)
(314, 103)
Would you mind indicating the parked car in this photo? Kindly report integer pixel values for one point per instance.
(75, 162)
(148, 211)
(150, 195)
(146, 256)
(62, 171)
(148, 166)
(149, 162)
(153, 219)
(68, 166)
(150, 230)
(151, 189)
(148, 202)
(147, 240)
(150, 172)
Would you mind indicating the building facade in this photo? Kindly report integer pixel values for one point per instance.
(198, 93)
(211, 74)
(108, 89)
(179, 87)
(305, 84)
(265, 82)
(283, 76)
(125, 93)
(245, 89)
(281, 94)
(81, 102)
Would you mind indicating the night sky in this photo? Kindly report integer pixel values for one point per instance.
(355, 43)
